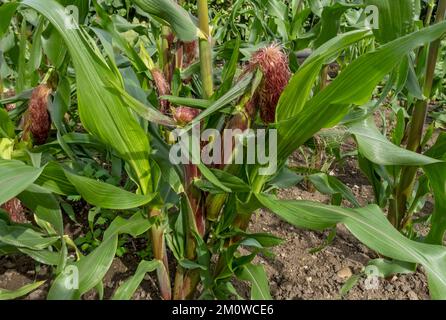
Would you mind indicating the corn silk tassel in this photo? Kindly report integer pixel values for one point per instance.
(190, 53)
(274, 64)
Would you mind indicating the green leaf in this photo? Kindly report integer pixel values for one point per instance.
(396, 18)
(236, 91)
(209, 175)
(375, 147)
(54, 48)
(372, 228)
(353, 86)
(188, 102)
(90, 270)
(349, 284)
(259, 281)
(24, 237)
(7, 10)
(53, 178)
(135, 226)
(105, 195)
(128, 288)
(47, 257)
(45, 206)
(148, 112)
(296, 94)
(169, 11)
(437, 178)
(388, 268)
(10, 295)
(285, 179)
(230, 69)
(102, 113)
(331, 185)
(15, 177)
(330, 22)
(233, 183)
(7, 129)
(6, 148)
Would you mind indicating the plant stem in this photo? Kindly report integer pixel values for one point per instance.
(416, 128)
(205, 49)
(166, 53)
(186, 282)
(324, 78)
(160, 253)
(430, 10)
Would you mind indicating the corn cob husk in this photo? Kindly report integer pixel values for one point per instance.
(15, 210)
(184, 115)
(37, 119)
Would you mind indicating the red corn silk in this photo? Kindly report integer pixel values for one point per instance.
(274, 64)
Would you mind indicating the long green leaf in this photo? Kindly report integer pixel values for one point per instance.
(396, 18)
(372, 228)
(13, 294)
(235, 92)
(134, 226)
(259, 282)
(298, 90)
(6, 12)
(354, 85)
(437, 178)
(45, 206)
(375, 147)
(53, 179)
(128, 288)
(15, 177)
(90, 271)
(105, 195)
(177, 18)
(102, 113)
(24, 237)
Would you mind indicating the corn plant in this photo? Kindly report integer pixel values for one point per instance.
(101, 100)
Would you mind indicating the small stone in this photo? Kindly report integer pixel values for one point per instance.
(412, 295)
(36, 295)
(345, 273)
(405, 288)
(309, 279)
